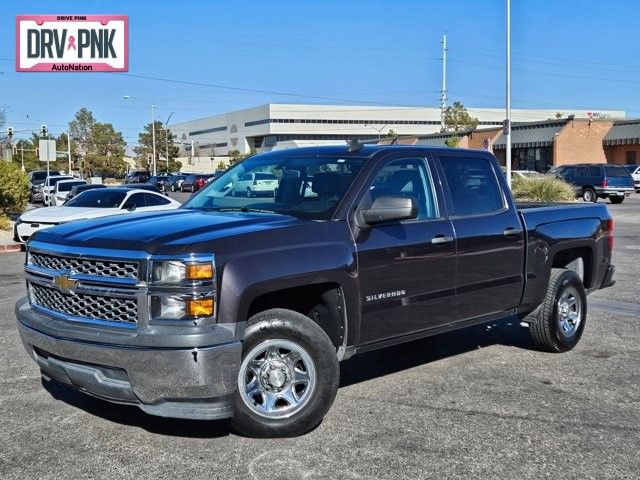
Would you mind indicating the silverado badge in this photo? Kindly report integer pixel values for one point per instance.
(64, 283)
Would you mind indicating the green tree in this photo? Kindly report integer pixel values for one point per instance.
(452, 142)
(14, 189)
(164, 145)
(457, 119)
(80, 130)
(234, 156)
(105, 151)
(391, 133)
(559, 115)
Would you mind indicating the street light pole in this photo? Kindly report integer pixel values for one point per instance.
(69, 148)
(153, 135)
(508, 93)
(153, 126)
(166, 137)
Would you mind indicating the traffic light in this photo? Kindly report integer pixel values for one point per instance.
(10, 132)
(44, 130)
(15, 149)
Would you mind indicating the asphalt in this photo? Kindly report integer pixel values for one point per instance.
(480, 403)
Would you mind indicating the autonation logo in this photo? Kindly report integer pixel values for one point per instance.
(72, 43)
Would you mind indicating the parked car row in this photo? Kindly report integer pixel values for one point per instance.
(595, 180)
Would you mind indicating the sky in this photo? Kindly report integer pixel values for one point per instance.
(566, 54)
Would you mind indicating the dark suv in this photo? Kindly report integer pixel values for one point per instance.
(137, 176)
(593, 181)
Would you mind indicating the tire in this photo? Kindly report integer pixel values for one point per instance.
(173, 188)
(616, 200)
(551, 330)
(280, 331)
(249, 194)
(589, 195)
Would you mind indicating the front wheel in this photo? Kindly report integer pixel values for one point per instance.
(559, 324)
(616, 199)
(249, 193)
(288, 377)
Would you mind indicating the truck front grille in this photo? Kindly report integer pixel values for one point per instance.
(85, 266)
(95, 307)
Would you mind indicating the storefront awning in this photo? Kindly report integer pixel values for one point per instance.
(623, 133)
(530, 135)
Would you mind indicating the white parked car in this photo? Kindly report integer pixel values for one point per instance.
(49, 186)
(634, 170)
(62, 189)
(255, 184)
(96, 203)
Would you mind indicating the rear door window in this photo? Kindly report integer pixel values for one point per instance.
(612, 171)
(582, 172)
(473, 185)
(595, 172)
(156, 200)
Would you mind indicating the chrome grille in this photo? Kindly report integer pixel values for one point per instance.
(96, 307)
(86, 266)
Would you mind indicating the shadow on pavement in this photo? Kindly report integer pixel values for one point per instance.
(361, 368)
(394, 359)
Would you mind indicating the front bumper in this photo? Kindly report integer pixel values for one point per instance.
(196, 383)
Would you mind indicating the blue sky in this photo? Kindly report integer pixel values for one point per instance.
(565, 54)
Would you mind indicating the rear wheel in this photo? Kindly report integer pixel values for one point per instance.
(249, 193)
(589, 195)
(619, 199)
(559, 323)
(288, 377)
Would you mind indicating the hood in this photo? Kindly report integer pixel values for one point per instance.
(171, 231)
(63, 214)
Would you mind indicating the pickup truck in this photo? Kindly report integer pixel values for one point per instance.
(241, 307)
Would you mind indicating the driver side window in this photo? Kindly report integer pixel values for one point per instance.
(407, 177)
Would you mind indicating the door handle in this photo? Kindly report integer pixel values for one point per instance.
(441, 239)
(511, 232)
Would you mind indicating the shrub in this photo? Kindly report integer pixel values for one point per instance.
(14, 188)
(542, 189)
(5, 223)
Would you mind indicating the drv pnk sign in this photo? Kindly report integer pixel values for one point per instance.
(72, 43)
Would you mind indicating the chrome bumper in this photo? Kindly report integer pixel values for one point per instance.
(197, 382)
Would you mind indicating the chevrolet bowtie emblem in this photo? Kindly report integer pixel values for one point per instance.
(64, 283)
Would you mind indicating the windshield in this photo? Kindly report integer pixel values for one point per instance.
(99, 198)
(304, 187)
(67, 186)
(612, 171)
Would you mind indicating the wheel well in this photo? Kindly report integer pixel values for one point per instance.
(323, 303)
(578, 260)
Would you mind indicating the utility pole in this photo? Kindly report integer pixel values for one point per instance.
(507, 125)
(69, 149)
(22, 155)
(443, 92)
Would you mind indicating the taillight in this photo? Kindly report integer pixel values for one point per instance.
(605, 183)
(608, 229)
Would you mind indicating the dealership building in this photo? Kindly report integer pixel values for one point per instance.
(277, 125)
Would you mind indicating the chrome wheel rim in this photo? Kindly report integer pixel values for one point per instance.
(588, 196)
(277, 378)
(569, 311)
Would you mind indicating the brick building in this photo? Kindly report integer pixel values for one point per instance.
(542, 145)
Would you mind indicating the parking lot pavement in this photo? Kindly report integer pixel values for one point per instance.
(473, 404)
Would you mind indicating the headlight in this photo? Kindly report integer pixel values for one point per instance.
(172, 308)
(175, 272)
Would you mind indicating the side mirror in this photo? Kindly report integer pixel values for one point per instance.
(390, 209)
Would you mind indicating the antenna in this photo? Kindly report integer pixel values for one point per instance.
(443, 92)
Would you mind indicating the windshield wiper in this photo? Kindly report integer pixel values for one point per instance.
(236, 209)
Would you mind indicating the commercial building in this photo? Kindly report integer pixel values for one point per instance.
(276, 125)
(542, 145)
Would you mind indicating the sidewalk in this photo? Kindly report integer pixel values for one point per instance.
(7, 245)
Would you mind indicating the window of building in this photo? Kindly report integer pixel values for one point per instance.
(473, 185)
(630, 157)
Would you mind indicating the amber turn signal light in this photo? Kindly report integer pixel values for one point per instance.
(200, 308)
(199, 271)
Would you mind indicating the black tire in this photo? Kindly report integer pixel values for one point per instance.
(173, 188)
(616, 200)
(249, 194)
(546, 329)
(589, 195)
(286, 325)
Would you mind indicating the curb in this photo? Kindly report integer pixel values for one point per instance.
(11, 248)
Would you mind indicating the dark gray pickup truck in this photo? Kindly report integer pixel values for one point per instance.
(242, 306)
